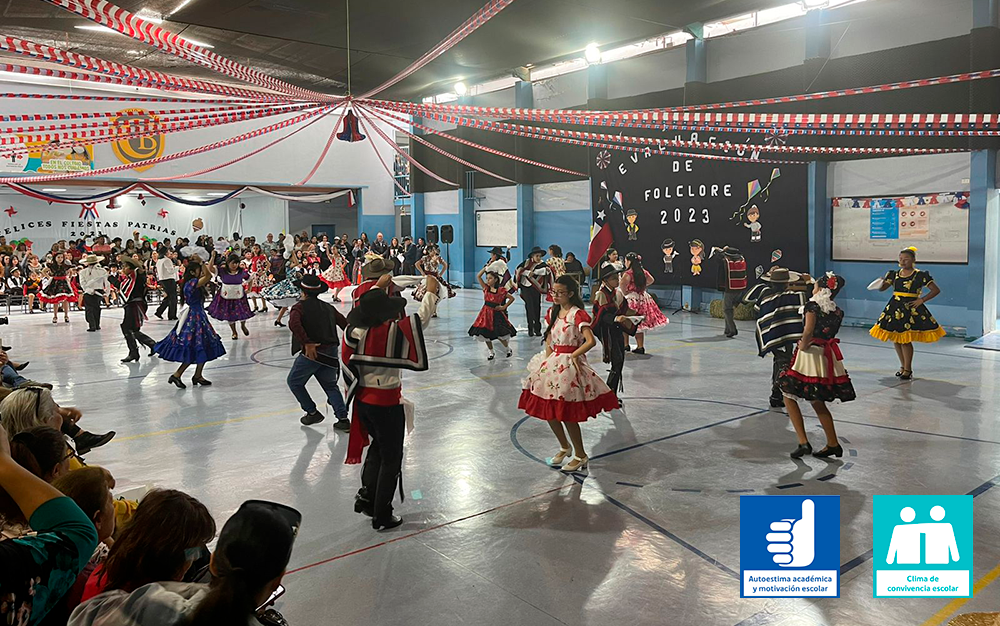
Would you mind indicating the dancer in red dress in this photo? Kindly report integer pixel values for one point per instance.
(336, 276)
(492, 322)
(561, 387)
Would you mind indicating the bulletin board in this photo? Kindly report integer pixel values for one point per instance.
(496, 228)
(877, 228)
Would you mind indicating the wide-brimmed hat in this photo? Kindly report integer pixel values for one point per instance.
(536, 250)
(376, 268)
(607, 270)
(374, 307)
(781, 275)
(91, 259)
(311, 284)
(497, 250)
(127, 260)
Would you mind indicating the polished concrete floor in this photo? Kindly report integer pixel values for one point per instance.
(492, 535)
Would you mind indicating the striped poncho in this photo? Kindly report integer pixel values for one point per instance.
(780, 321)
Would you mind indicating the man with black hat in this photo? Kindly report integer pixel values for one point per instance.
(611, 324)
(778, 302)
(94, 284)
(732, 282)
(379, 342)
(533, 279)
(133, 293)
(314, 323)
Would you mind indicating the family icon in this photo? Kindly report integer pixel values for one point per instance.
(940, 544)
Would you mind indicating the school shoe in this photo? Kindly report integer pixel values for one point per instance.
(387, 523)
(131, 357)
(558, 459)
(639, 351)
(342, 423)
(828, 452)
(20, 366)
(776, 403)
(175, 381)
(510, 353)
(363, 506)
(576, 464)
(201, 380)
(86, 441)
(491, 356)
(312, 418)
(801, 451)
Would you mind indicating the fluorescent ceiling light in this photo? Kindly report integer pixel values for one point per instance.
(98, 28)
(53, 189)
(216, 193)
(180, 6)
(592, 53)
(460, 88)
(198, 43)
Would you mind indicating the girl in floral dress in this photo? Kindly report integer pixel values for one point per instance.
(561, 387)
(260, 277)
(433, 265)
(59, 291)
(192, 340)
(905, 318)
(634, 283)
(335, 276)
(284, 293)
(817, 374)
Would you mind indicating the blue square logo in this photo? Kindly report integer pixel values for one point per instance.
(922, 547)
(790, 546)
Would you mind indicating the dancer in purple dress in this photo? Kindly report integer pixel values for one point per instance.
(230, 303)
(192, 340)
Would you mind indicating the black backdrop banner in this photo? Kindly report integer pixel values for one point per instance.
(653, 200)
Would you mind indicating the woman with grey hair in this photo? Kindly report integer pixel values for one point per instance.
(29, 407)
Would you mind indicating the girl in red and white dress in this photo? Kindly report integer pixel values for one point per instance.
(561, 387)
(336, 276)
(492, 322)
(634, 283)
(260, 276)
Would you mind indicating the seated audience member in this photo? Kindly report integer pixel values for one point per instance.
(34, 406)
(11, 378)
(247, 566)
(36, 571)
(573, 265)
(90, 488)
(43, 452)
(160, 542)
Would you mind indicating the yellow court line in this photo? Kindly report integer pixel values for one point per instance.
(181, 429)
(953, 606)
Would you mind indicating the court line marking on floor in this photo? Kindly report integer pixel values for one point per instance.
(426, 530)
(953, 606)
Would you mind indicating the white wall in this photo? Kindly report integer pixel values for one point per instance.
(568, 196)
(441, 203)
(44, 224)
(347, 164)
(884, 24)
(302, 215)
(898, 175)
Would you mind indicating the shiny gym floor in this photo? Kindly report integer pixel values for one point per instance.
(492, 535)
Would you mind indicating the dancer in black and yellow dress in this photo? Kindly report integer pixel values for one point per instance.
(905, 318)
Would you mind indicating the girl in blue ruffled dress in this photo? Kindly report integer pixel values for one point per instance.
(192, 340)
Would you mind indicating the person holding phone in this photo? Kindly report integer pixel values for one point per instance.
(192, 340)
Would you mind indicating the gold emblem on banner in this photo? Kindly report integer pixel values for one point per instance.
(134, 149)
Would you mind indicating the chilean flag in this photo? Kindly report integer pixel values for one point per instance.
(600, 232)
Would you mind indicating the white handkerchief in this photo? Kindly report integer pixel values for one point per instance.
(876, 284)
(408, 412)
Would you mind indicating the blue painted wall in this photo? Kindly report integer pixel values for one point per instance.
(372, 224)
(570, 230)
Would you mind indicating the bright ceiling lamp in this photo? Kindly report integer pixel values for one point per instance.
(100, 29)
(460, 88)
(592, 53)
(811, 5)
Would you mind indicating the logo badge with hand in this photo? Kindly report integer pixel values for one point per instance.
(793, 542)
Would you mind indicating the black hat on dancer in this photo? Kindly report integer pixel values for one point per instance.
(607, 270)
(376, 268)
(375, 307)
(497, 250)
(536, 250)
(127, 260)
(311, 284)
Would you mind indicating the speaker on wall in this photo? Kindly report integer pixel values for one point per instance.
(432, 234)
(447, 233)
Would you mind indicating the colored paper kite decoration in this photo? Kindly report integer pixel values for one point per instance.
(351, 132)
(603, 159)
(775, 256)
(759, 271)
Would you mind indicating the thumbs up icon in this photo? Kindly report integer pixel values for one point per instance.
(793, 542)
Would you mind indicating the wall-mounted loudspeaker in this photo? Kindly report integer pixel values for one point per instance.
(447, 233)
